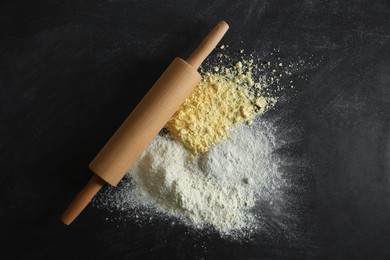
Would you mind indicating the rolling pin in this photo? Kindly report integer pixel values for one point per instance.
(135, 134)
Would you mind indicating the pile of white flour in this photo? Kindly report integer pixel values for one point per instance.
(221, 189)
(236, 186)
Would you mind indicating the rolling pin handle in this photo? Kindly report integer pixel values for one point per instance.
(82, 199)
(208, 44)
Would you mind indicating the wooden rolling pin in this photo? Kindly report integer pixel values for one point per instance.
(144, 123)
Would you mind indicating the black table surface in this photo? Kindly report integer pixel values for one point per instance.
(71, 71)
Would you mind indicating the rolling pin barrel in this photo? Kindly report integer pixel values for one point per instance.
(145, 121)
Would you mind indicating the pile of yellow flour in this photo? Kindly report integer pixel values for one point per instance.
(224, 98)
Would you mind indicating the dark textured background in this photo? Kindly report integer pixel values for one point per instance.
(71, 71)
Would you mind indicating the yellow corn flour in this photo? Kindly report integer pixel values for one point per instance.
(221, 100)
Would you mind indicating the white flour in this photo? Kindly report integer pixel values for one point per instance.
(219, 189)
(236, 188)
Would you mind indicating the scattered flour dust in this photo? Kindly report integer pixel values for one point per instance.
(233, 182)
(218, 189)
